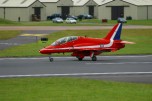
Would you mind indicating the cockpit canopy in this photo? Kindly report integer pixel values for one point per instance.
(64, 40)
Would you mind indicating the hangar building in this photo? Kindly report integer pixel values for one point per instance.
(112, 9)
(101, 9)
(137, 9)
(22, 9)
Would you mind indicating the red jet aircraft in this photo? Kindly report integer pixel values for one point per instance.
(86, 46)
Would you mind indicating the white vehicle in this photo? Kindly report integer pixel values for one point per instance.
(70, 20)
(57, 20)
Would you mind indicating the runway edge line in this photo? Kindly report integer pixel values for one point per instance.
(75, 74)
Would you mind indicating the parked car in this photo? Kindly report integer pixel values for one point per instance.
(74, 17)
(88, 16)
(57, 20)
(85, 16)
(53, 16)
(71, 20)
(128, 18)
(80, 17)
(121, 20)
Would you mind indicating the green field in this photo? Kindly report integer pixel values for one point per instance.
(87, 22)
(4, 35)
(142, 38)
(7, 22)
(71, 89)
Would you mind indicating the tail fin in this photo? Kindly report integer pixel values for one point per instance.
(115, 33)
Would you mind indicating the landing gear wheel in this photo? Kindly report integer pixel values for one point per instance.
(94, 58)
(51, 59)
(80, 59)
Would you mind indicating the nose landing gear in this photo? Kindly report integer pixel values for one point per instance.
(51, 59)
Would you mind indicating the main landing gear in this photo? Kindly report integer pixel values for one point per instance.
(51, 59)
(94, 58)
(80, 58)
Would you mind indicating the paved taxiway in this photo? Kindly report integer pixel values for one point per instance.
(23, 39)
(119, 68)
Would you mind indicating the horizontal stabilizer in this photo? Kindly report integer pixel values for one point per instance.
(127, 42)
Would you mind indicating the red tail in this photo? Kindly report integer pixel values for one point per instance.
(115, 33)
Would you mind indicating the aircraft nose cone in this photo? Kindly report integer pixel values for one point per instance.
(42, 51)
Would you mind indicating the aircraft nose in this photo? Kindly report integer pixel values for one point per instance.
(46, 50)
(42, 51)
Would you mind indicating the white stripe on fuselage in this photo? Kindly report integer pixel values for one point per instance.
(112, 37)
(93, 46)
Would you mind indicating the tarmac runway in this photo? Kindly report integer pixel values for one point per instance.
(116, 68)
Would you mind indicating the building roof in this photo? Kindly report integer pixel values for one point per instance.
(134, 2)
(16, 3)
(79, 2)
(139, 2)
(83, 2)
(26, 3)
(102, 2)
(48, 0)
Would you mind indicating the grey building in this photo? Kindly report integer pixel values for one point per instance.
(22, 10)
(137, 9)
(112, 9)
(101, 9)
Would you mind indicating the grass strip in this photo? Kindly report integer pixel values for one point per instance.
(4, 22)
(4, 35)
(84, 22)
(142, 38)
(71, 89)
